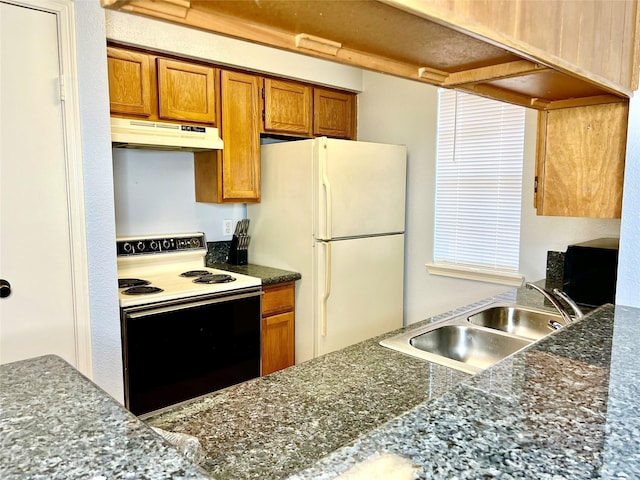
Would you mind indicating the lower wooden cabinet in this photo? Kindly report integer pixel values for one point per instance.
(278, 327)
(580, 161)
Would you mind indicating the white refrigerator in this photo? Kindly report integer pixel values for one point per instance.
(334, 210)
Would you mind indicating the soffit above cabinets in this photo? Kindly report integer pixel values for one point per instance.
(380, 36)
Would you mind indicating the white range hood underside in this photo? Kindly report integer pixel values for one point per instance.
(129, 133)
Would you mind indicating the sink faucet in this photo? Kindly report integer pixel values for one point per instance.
(577, 313)
(554, 301)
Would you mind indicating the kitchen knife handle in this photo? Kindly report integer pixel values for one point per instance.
(327, 287)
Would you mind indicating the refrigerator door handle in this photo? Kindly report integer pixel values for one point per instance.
(327, 200)
(327, 287)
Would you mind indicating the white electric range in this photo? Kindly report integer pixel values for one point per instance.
(187, 330)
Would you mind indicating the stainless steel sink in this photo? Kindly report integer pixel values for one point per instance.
(524, 322)
(472, 346)
(473, 341)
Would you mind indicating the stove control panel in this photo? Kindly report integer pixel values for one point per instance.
(158, 245)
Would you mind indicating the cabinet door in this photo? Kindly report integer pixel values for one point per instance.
(186, 92)
(287, 107)
(130, 82)
(334, 113)
(232, 175)
(278, 327)
(580, 161)
(277, 342)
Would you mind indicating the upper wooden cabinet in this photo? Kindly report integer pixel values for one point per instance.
(130, 82)
(334, 113)
(157, 88)
(292, 108)
(287, 107)
(580, 161)
(143, 85)
(186, 91)
(232, 175)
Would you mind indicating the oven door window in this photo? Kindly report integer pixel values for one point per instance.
(179, 352)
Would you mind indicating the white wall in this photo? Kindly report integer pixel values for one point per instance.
(394, 110)
(155, 194)
(98, 187)
(628, 289)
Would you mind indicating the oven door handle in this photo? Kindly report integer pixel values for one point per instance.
(183, 305)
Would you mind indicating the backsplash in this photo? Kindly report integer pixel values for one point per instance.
(555, 269)
(217, 252)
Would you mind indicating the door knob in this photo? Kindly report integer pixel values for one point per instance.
(5, 288)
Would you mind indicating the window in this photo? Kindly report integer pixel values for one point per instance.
(478, 188)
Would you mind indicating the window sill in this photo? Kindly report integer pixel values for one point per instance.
(475, 273)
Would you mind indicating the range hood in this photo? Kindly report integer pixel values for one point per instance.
(128, 133)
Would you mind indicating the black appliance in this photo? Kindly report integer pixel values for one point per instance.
(187, 329)
(179, 350)
(590, 271)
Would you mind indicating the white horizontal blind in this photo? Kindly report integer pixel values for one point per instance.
(478, 182)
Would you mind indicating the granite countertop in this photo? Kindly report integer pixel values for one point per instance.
(57, 424)
(268, 275)
(564, 408)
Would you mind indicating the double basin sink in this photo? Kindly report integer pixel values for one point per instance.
(474, 341)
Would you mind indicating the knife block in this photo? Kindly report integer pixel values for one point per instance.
(237, 255)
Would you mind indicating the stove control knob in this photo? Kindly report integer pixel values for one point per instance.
(5, 288)
(166, 244)
(127, 247)
(153, 245)
(195, 243)
(141, 246)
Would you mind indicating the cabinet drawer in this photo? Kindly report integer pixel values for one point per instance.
(278, 298)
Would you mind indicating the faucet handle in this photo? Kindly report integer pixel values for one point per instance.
(576, 310)
(554, 301)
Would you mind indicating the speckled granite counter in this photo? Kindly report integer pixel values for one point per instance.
(564, 408)
(567, 408)
(276, 425)
(268, 275)
(56, 424)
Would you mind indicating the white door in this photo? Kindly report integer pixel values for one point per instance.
(359, 290)
(35, 257)
(360, 188)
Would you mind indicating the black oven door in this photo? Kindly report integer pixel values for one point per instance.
(176, 351)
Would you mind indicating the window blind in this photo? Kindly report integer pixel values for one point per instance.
(478, 182)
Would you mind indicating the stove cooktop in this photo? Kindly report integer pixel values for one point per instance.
(174, 273)
(175, 287)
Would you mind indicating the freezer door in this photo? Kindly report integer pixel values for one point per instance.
(359, 188)
(359, 290)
